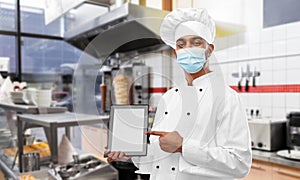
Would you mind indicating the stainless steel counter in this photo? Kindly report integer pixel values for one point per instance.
(50, 123)
(29, 109)
(273, 158)
(10, 174)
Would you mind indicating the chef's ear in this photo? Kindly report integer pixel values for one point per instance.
(174, 52)
(209, 50)
(211, 47)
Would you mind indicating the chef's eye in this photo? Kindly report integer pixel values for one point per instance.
(197, 43)
(180, 44)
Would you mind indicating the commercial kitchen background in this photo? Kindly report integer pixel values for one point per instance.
(272, 51)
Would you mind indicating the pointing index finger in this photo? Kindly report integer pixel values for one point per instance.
(156, 133)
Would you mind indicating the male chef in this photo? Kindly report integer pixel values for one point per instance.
(200, 130)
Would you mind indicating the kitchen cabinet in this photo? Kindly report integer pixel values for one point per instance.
(260, 170)
(270, 171)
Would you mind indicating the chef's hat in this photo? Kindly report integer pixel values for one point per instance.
(187, 21)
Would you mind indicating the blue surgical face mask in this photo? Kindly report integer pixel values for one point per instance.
(191, 60)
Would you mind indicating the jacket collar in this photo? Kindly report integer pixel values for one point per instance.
(203, 80)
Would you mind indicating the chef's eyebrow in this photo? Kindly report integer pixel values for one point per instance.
(196, 38)
(180, 39)
(193, 38)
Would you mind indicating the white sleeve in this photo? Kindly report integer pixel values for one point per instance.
(231, 158)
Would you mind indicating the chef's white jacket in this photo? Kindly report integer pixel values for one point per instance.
(216, 141)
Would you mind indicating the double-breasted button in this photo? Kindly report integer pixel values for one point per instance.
(157, 167)
(176, 90)
(200, 89)
(173, 168)
(188, 113)
(166, 113)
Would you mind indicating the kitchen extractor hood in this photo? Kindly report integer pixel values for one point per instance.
(124, 29)
(101, 2)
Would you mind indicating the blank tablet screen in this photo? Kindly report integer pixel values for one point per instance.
(128, 124)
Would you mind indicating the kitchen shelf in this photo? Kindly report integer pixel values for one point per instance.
(50, 123)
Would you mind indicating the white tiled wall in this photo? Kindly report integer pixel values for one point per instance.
(275, 52)
(292, 101)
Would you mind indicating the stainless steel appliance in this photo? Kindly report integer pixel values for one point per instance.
(30, 162)
(85, 167)
(140, 74)
(293, 130)
(268, 134)
(126, 28)
(137, 79)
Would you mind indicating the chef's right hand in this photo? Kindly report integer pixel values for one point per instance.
(115, 156)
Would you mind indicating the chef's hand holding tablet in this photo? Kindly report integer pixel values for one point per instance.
(115, 156)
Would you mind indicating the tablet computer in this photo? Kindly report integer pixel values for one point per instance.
(127, 127)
